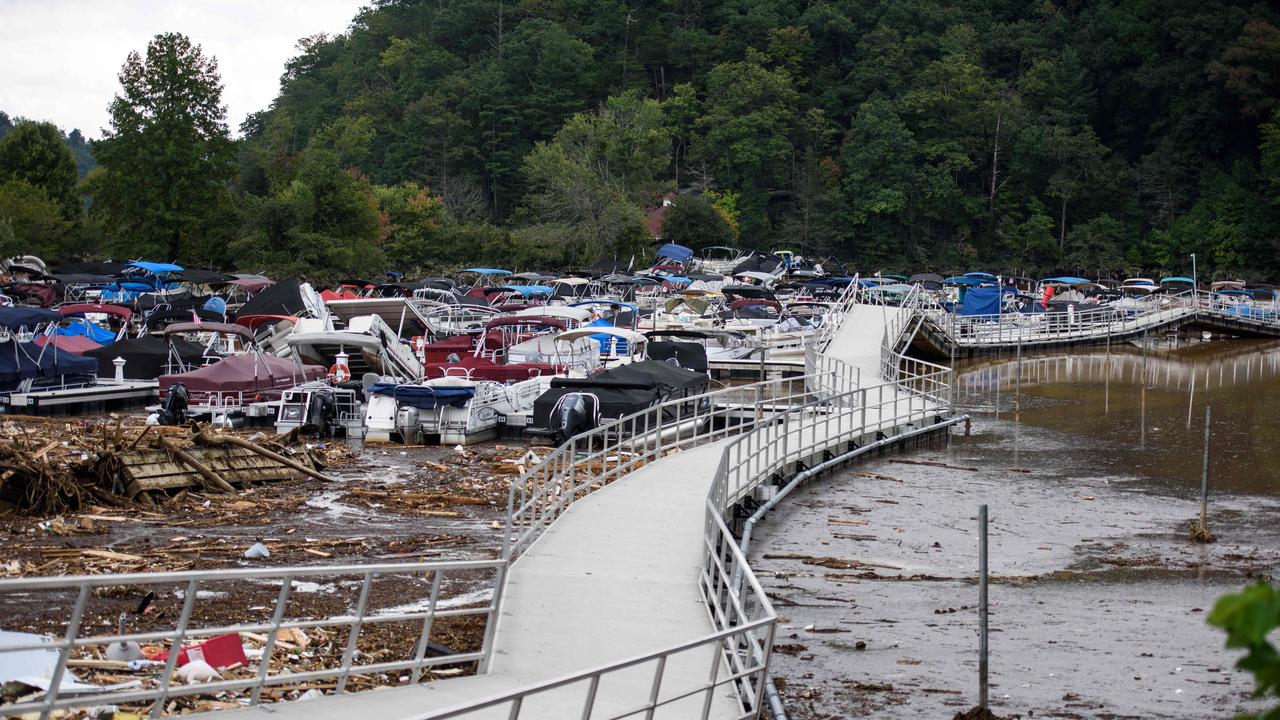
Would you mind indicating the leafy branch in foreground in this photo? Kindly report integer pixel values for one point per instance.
(1249, 617)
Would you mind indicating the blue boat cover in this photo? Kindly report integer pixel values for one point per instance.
(1067, 279)
(679, 253)
(21, 361)
(14, 318)
(529, 290)
(487, 271)
(981, 301)
(91, 330)
(156, 268)
(966, 281)
(605, 339)
(425, 397)
(216, 304)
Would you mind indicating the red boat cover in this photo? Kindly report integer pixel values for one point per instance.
(485, 369)
(68, 343)
(244, 373)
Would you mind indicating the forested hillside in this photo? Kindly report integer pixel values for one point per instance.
(899, 133)
(1100, 138)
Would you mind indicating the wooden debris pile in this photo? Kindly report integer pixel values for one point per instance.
(50, 466)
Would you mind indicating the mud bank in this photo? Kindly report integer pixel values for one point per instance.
(1098, 601)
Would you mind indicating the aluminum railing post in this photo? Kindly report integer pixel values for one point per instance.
(353, 636)
(59, 669)
(179, 633)
(277, 616)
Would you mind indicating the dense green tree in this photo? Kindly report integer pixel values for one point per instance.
(693, 222)
(34, 223)
(168, 157)
(745, 141)
(323, 220)
(891, 133)
(587, 185)
(35, 153)
(416, 236)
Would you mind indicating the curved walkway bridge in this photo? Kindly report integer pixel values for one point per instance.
(621, 590)
(946, 334)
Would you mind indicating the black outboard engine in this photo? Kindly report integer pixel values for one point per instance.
(173, 411)
(574, 413)
(321, 412)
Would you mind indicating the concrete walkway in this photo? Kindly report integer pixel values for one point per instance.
(616, 576)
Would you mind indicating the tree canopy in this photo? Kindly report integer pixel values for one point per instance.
(167, 162)
(35, 153)
(1098, 138)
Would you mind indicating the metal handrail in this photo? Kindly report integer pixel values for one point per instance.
(185, 629)
(1010, 328)
(733, 594)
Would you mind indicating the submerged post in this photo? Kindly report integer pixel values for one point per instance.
(1017, 397)
(1201, 533)
(1191, 401)
(982, 606)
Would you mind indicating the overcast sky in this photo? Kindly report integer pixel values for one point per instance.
(59, 58)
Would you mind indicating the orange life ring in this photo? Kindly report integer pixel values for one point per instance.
(339, 373)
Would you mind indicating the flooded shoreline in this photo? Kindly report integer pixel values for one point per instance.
(1098, 597)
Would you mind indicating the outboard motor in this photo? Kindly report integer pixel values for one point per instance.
(173, 411)
(320, 412)
(574, 413)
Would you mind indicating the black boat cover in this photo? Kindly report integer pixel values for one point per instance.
(144, 357)
(283, 298)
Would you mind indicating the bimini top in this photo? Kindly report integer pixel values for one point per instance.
(523, 290)
(1066, 280)
(1179, 280)
(88, 309)
(487, 271)
(984, 275)
(679, 253)
(612, 303)
(966, 280)
(601, 332)
(15, 318)
(210, 327)
(156, 268)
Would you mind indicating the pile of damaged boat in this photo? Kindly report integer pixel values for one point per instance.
(454, 360)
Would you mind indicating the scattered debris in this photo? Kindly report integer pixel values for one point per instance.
(828, 562)
(977, 713)
(1200, 532)
(930, 463)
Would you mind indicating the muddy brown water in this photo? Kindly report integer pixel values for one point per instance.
(1098, 598)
